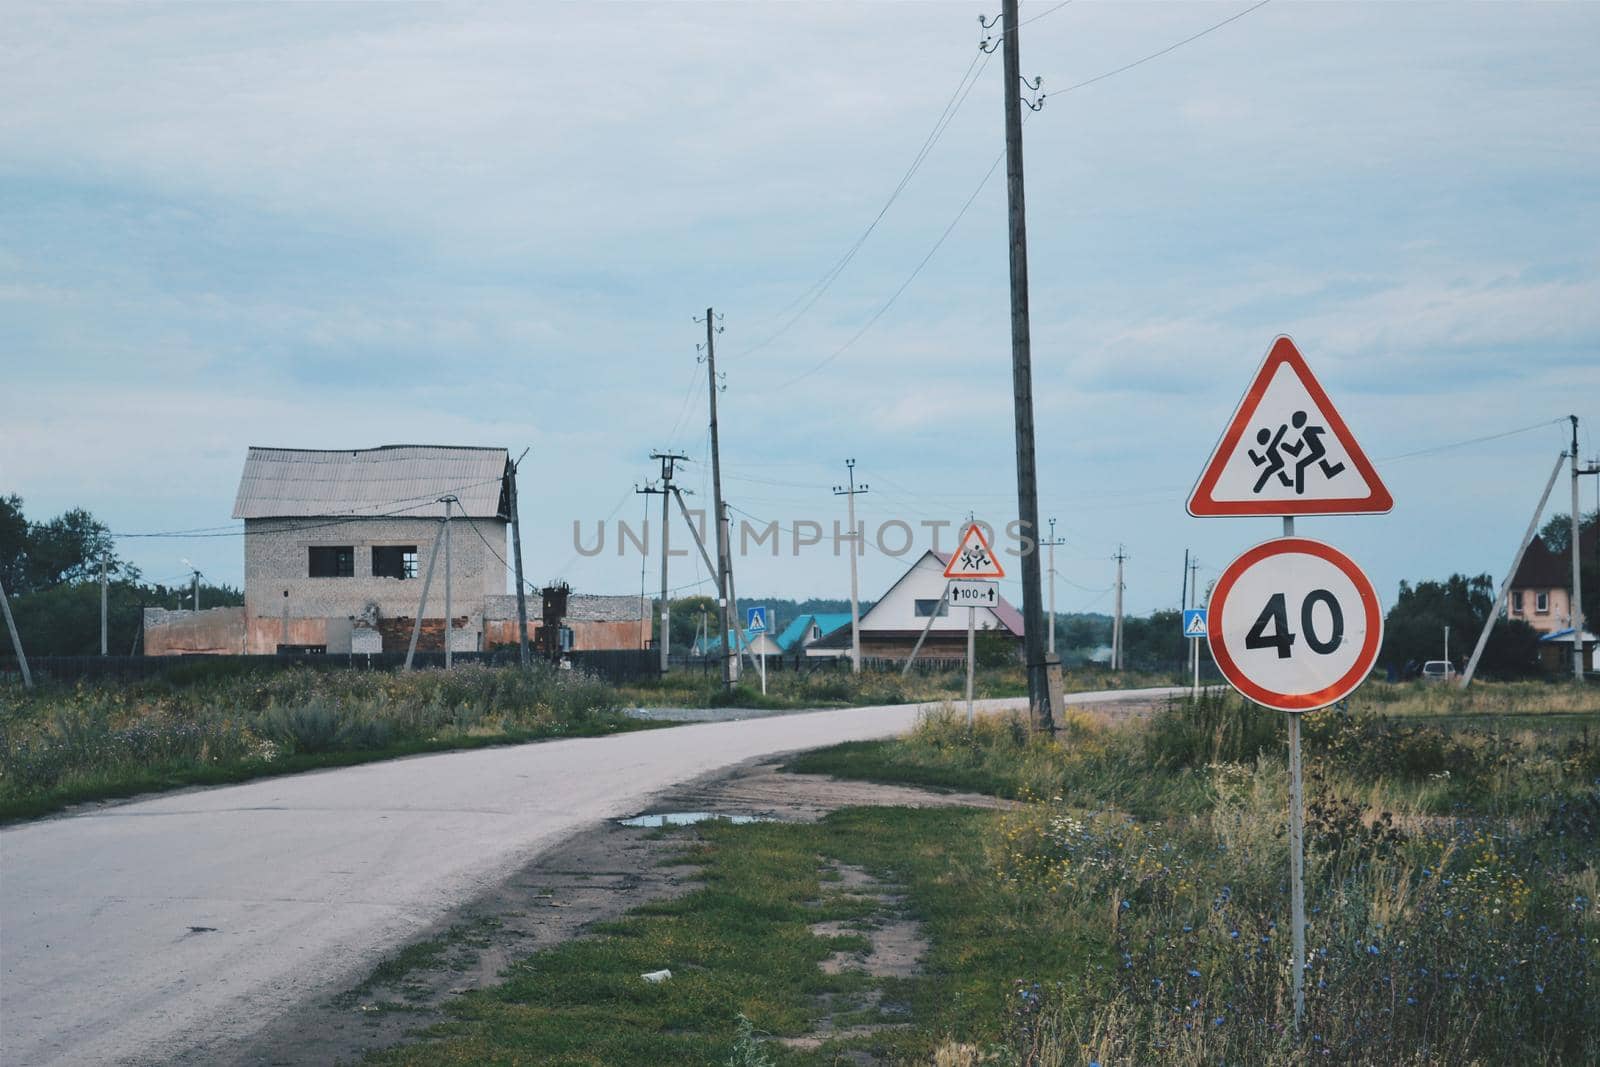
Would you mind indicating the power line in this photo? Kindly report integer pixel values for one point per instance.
(814, 292)
(1157, 55)
(1471, 441)
(338, 517)
(876, 315)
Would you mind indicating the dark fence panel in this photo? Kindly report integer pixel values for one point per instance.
(622, 665)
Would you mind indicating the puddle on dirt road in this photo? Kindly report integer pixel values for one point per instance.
(687, 818)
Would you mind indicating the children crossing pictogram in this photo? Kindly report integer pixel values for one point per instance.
(1287, 452)
(973, 558)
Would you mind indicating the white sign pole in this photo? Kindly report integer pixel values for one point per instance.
(763, 673)
(972, 623)
(1297, 853)
(1194, 654)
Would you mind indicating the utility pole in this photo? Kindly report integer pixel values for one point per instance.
(196, 581)
(16, 639)
(668, 459)
(516, 548)
(1116, 623)
(1053, 542)
(1511, 573)
(855, 548)
(103, 607)
(1044, 673)
(1577, 572)
(730, 658)
(449, 623)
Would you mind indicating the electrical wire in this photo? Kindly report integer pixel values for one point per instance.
(1157, 55)
(814, 292)
(1470, 441)
(338, 518)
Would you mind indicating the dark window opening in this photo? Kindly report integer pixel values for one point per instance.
(926, 608)
(1516, 602)
(333, 561)
(394, 561)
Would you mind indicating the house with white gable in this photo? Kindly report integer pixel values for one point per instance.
(890, 630)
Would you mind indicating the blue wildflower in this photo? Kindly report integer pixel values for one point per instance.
(1372, 950)
(1194, 973)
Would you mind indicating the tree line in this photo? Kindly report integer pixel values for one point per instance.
(51, 572)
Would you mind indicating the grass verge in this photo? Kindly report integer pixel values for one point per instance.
(61, 745)
(1133, 912)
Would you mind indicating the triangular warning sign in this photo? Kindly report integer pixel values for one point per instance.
(1196, 627)
(973, 558)
(1286, 451)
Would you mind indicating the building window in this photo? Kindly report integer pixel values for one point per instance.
(816, 633)
(394, 561)
(1541, 603)
(337, 561)
(1516, 602)
(566, 639)
(925, 608)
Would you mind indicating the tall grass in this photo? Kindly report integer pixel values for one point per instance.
(64, 742)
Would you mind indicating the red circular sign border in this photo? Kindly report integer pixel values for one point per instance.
(1365, 660)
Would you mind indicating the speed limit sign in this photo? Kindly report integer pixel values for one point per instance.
(1294, 624)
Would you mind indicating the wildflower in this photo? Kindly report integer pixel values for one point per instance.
(1372, 950)
(1194, 973)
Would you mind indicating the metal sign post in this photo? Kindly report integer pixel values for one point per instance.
(972, 625)
(1293, 624)
(1194, 628)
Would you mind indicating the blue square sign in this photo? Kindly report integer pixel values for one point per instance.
(755, 620)
(1194, 622)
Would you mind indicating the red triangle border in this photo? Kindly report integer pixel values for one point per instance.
(1203, 505)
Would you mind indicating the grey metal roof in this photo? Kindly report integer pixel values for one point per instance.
(394, 479)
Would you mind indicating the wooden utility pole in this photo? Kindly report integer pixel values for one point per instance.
(730, 657)
(516, 549)
(850, 492)
(1043, 670)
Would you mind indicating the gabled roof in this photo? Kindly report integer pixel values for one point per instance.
(403, 480)
(1544, 569)
(1004, 613)
(793, 635)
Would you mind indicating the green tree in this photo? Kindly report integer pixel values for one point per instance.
(1413, 631)
(686, 620)
(1155, 642)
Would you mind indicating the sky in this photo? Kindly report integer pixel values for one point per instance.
(347, 225)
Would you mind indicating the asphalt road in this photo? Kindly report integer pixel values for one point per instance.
(137, 932)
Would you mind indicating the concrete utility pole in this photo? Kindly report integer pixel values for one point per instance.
(103, 607)
(449, 623)
(855, 549)
(1577, 571)
(16, 639)
(668, 459)
(1511, 573)
(1053, 542)
(730, 657)
(1116, 622)
(516, 549)
(1044, 671)
(422, 601)
(196, 581)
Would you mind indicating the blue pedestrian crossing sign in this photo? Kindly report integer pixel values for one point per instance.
(1194, 622)
(755, 620)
